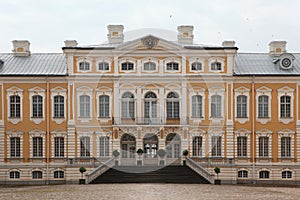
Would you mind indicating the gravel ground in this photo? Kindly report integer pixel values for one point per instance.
(148, 191)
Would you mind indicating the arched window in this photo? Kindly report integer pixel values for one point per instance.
(84, 106)
(37, 106)
(172, 66)
(149, 66)
(59, 106)
(286, 174)
(103, 106)
(197, 106)
(14, 175)
(127, 106)
(216, 106)
(241, 106)
(37, 175)
(127, 66)
(150, 145)
(243, 174)
(216, 66)
(59, 174)
(263, 106)
(15, 106)
(150, 105)
(84, 66)
(264, 174)
(196, 66)
(173, 105)
(285, 106)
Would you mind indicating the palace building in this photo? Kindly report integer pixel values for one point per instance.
(238, 111)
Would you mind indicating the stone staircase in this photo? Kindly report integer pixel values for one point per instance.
(150, 174)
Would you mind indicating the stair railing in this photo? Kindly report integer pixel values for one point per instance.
(200, 170)
(99, 170)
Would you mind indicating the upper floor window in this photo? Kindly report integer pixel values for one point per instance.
(216, 106)
(59, 146)
(241, 106)
(285, 106)
(173, 105)
(197, 106)
(149, 66)
(103, 66)
(84, 101)
(15, 106)
(37, 106)
(59, 104)
(196, 66)
(15, 147)
(263, 106)
(127, 106)
(263, 147)
(37, 148)
(127, 66)
(197, 146)
(216, 66)
(172, 66)
(103, 106)
(84, 66)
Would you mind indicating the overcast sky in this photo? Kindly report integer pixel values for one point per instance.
(252, 24)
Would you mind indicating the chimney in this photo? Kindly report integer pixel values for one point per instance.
(185, 34)
(228, 44)
(115, 34)
(21, 47)
(277, 48)
(71, 43)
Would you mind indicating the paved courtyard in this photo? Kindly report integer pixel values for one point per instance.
(148, 191)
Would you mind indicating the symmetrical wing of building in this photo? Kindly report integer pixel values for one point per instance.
(61, 111)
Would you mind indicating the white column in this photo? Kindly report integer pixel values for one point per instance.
(162, 103)
(161, 67)
(183, 63)
(116, 102)
(183, 103)
(139, 104)
(116, 65)
(70, 64)
(139, 67)
(1, 141)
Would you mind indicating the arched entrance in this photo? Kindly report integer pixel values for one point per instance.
(128, 146)
(173, 146)
(150, 143)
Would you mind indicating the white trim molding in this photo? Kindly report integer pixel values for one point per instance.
(127, 59)
(108, 92)
(242, 133)
(216, 91)
(196, 59)
(103, 60)
(216, 59)
(84, 59)
(245, 92)
(37, 133)
(149, 59)
(14, 133)
(286, 133)
(59, 91)
(84, 90)
(41, 92)
(267, 92)
(286, 91)
(264, 133)
(11, 92)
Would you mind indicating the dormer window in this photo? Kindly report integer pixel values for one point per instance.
(216, 66)
(172, 66)
(84, 66)
(127, 66)
(103, 66)
(196, 66)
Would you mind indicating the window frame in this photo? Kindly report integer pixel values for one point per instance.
(287, 174)
(263, 133)
(14, 91)
(173, 106)
(197, 146)
(127, 60)
(264, 91)
(104, 60)
(149, 59)
(220, 92)
(243, 173)
(59, 91)
(14, 174)
(86, 60)
(130, 114)
(37, 174)
(216, 150)
(105, 151)
(58, 174)
(15, 149)
(172, 60)
(85, 146)
(264, 174)
(196, 60)
(37, 133)
(37, 91)
(214, 60)
(286, 91)
(89, 92)
(108, 92)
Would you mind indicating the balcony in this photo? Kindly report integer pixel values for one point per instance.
(150, 121)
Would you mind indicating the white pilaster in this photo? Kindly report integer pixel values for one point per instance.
(161, 104)
(116, 100)
(139, 67)
(161, 67)
(183, 64)
(139, 104)
(70, 64)
(183, 103)
(2, 126)
(116, 66)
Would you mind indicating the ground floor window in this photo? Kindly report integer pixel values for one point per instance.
(37, 175)
(286, 174)
(216, 142)
(243, 174)
(59, 174)
(14, 175)
(197, 146)
(264, 174)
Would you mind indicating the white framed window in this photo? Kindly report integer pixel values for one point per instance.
(216, 64)
(103, 146)
(173, 105)
(196, 65)
(58, 98)
(85, 146)
(263, 104)
(37, 102)
(216, 142)
(127, 65)
(128, 106)
(172, 65)
(242, 104)
(197, 107)
(103, 64)
(216, 105)
(264, 143)
(15, 143)
(58, 137)
(84, 64)
(285, 104)
(242, 137)
(84, 103)
(14, 105)
(285, 143)
(197, 141)
(197, 146)
(149, 64)
(242, 174)
(104, 98)
(37, 142)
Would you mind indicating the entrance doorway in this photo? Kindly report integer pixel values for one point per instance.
(150, 143)
(128, 146)
(173, 146)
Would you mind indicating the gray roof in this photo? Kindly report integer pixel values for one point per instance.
(42, 64)
(261, 64)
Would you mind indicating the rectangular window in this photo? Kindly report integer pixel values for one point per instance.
(216, 145)
(59, 107)
(285, 106)
(103, 66)
(103, 106)
(59, 146)
(85, 146)
(127, 66)
(104, 146)
(197, 106)
(15, 106)
(37, 147)
(172, 66)
(263, 106)
(243, 174)
(216, 106)
(241, 106)
(37, 106)
(263, 147)
(197, 146)
(149, 66)
(286, 147)
(84, 106)
(242, 146)
(15, 147)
